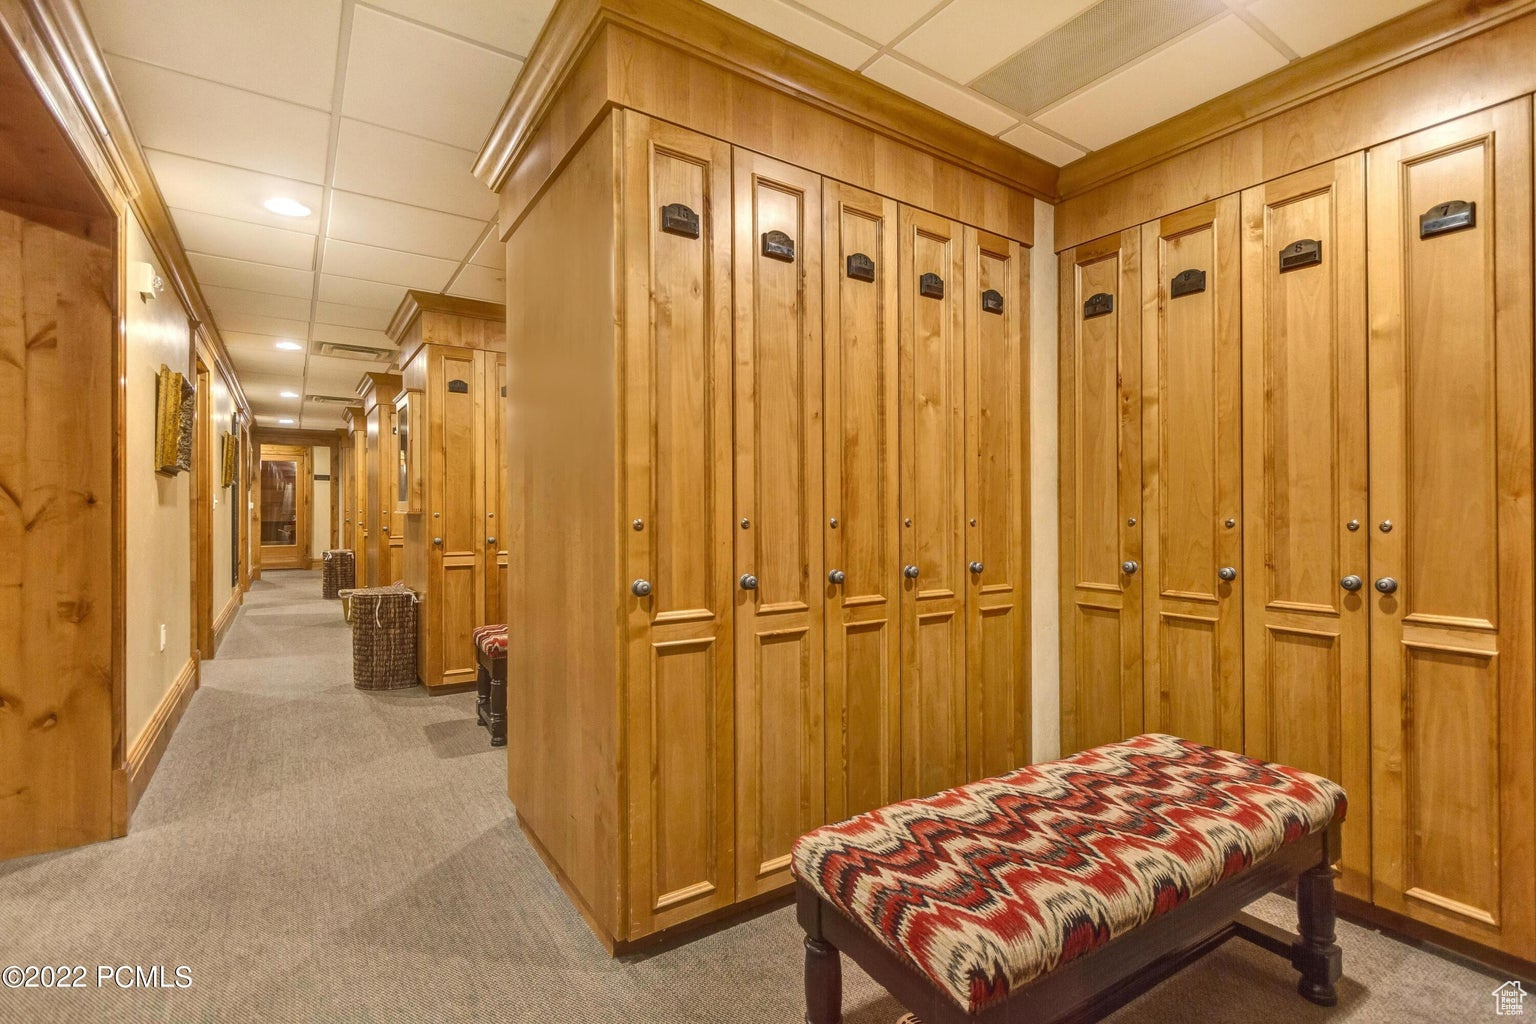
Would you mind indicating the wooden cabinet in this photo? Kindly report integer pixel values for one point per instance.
(448, 486)
(1450, 280)
(355, 490)
(383, 524)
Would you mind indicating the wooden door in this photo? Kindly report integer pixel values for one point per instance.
(1192, 476)
(996, 301)
(1306, 639)
(780, 782)
(456, 424)
(285, 497)
(495, 483)
(677, 527)
(1451, 528)
(391, 515)
(1100, 485)
(358, 489)
(862, 536)
(934, 577)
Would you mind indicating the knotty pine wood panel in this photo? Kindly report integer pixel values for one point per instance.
(997, 503)
(676, 402)
(456, 421)
(1306, 646)
(933, 720)
(495, 488)
(862, 483)
(1099, 417)
(1451, 468)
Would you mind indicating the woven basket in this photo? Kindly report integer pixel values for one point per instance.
(384, 638)
(337, 572)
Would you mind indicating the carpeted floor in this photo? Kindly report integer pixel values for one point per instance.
(315, 853)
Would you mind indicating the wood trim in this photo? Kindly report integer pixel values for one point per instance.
(416, 303)
(226, 618)
(290, 436)
(144, 756)
(1419, 935)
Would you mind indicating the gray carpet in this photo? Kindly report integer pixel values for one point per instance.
(315, 853)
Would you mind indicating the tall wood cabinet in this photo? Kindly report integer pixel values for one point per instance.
(1333, 461)
(355, 523)
(383, 524)
(449, 482)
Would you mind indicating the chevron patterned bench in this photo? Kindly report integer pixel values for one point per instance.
(1061, 891)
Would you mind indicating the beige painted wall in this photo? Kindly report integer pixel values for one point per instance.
(159, 522)
(1045, 644)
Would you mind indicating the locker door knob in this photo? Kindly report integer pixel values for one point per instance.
(1351, 583)
(438, 541)
(1227, 573)
(836, 577)
(910, 572)
(640, 588)
(748, 581)
(976, 568)
(491, 541)
(1129, 568)
(1387, 585)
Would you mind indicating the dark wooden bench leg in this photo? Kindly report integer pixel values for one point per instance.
(497, 719)
(1316, 955)
(482, 688)
(823, 982)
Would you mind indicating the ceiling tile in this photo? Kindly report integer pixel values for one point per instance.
(257, 355)
(480, 283)
(969, 37)
(356, 218)
(192, 117)
(226, 302)
(418, 80)
(1046, 147)
(274, 329)
(803, 30)
(204, 187)
(282, 48)
(491, 253)
(338, 335)
(256, 277)
(373, 319)
(371, 263)
(881, 21)
(332, 375)
(378, 162)
(237, 239)
(1307, 26)
(508, 26)
(939, 94)
(1202, 65)
(354, 292)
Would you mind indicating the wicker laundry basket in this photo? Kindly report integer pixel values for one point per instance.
(337, 572)
(384, 637)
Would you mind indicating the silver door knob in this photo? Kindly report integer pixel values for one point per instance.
(910, 572)
(1227, 573)
(438, 541)
(1387, 585)
(384, 528)
(748, 581)
(836, 577)
(976, 568)
(640, 588)
(1351, 583)
(491, 541)
(1129, 568)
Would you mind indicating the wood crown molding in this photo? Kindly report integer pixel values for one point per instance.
(708, 33)
(297, 437)
(1420, 32)
(416, 303)
(377, 388)
(66, 67)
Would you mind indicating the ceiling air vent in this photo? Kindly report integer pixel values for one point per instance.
(362, 353)
(330, 399)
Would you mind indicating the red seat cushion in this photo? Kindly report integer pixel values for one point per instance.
(491, 641)
(986, 887)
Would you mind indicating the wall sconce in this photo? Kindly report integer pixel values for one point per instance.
(143, 279)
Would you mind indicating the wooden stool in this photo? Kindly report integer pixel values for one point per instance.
(491, 682)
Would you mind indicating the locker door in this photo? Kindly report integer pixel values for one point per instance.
(780, 781)
(1451, 527)
(996, 301)
(1100, 472)
(862, 535)
(1192, 474)
(1306, 621)
(933, 582)
(455, 501)
(495, 477)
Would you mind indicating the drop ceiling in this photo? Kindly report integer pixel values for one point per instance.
(371, 114)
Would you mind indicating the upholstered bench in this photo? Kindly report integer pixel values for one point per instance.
(1063, 890)
(491, 681)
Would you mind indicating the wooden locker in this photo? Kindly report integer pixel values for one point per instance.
(1192, 452)
(378, 392)
(456, 420)
(996, 303)
(934, 574)
(357, 491)
(494, 374)
(1100, 484)
(862, 486)
(1451, 527)
(677, 529)
(780, 784)
(1306, 636)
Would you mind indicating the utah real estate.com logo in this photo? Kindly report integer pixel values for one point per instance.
(1509, 999)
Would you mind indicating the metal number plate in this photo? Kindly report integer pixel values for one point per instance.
(1098, 305)
(778, 246)
(992, 301)
(1187, 282)
(931, 286)
(1304, 252)
(861, 267)
(678, 219)
(1456, 215)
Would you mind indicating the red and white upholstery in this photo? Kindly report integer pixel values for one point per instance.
(491, 641)
(986, 887)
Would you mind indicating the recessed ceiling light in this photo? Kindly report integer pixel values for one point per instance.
(289, 394)
(285, 207)
(290, 346)
(286, 423)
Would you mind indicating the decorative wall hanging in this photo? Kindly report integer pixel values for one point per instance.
(231, 457)
(175, 411)
(185, 425)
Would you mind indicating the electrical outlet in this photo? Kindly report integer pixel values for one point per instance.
(162, 638)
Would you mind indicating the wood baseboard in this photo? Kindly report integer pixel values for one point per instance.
(1493, 962)
(144, 756)
(226, 618)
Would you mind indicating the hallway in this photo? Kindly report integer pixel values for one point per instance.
(313, 852)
